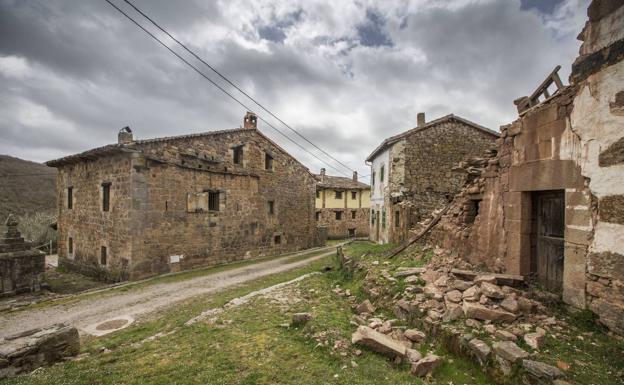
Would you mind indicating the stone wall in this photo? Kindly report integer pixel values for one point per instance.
(338, 229)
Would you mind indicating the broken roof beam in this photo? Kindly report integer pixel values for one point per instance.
(525, 102)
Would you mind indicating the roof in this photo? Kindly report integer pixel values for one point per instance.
(393, 139)
(339, 182)
(131, 146)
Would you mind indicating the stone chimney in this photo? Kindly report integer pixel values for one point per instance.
(322, 175)
(250, 121)
(355, 176)
(124, 136)
(421, 119)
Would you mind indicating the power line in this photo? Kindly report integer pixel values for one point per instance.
(215, 84)
(234, 85)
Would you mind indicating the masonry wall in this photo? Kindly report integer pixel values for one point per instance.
(340, 228)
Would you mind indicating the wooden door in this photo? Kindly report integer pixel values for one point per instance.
(550, 226)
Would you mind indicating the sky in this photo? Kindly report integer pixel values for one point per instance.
(344, 74)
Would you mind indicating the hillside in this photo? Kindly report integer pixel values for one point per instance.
(26, 187)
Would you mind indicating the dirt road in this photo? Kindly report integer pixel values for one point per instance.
(141, 301)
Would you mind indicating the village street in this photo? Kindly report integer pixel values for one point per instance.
(146, 299)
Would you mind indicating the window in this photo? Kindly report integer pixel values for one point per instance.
(353, 195)
(351, 233)
(353, 214)
(397, 219)
(381, 173)
(318, 194)
(213, 200)
(271, 207)
(373, 178)
(318, 216)
(338, 215)
(70, 198)
(70, 246)
(338, 194)
(277, 239)
(268, 162)
(372, 217)
(383, 218)
(106, 196)
(103, 256)
(237, 154)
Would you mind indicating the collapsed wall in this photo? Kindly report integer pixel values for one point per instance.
(549, 202)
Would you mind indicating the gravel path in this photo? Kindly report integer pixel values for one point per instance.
(142, 301)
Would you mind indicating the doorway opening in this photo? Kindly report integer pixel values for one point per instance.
(547, 238)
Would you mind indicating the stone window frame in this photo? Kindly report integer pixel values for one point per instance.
(238, 154)
(211, 200)
(269, 161)
(271, 207)
(106, 197)
(70, 197)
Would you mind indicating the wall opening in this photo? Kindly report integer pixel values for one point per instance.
(547, 238)
(351, 233)
(103, 255)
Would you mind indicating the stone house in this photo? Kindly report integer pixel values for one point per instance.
(342, 205)
(549, 203)
(139, 208)
(411, 173)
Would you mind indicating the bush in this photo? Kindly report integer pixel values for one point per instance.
(35, 228)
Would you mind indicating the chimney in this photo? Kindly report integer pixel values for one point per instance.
(322, 175)
(251, 120)
(355, 176)
(124, 136)
(421, 119)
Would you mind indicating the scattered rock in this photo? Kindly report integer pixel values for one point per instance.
(480, 349)
(505, 335)
(378, 342)
(473, 323)
(478, 311)
(410, 271)
(509, 351)
(300, 319)
(442, 281)
(454, 296)
(472, 294)
(426, 365)
(365, 307)
(490, 278)
(414, 335)
(510, 304)
(491, 290)
(541, 370)
(491, 329)
(452, 313)
(413, 355)
(412, 279)
(535, 340)
(461, 285)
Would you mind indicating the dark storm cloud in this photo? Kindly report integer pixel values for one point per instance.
(344, 74)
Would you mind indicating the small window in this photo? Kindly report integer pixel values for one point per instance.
(70, 246)
(103, 256)
(353, 214)
(397, 219)
(351, 233)
(70, 198)
(213, 200)
(106, 196)
(383, 218)
(238, 155)
(338, 215)
(381, 173)
(277, 239)
(373, 179)
(338, 194)
(318, 216)
(372, 217)
(268, 162)
(318, 194)
(353, 195)
(271, 207)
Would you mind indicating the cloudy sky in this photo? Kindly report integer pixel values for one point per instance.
(346, 74)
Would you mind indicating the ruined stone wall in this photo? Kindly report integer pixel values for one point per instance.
(170, 238)
(338, 229)
(87, 224)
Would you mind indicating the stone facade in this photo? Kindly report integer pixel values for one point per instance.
(412, 172)
(569, 144)
(342, 206)
(181, 202)
(22, 268)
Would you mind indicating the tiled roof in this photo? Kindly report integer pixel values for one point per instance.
(339, 182)
(393, 139)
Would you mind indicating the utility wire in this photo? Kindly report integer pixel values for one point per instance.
(234, 85)
(216, 85)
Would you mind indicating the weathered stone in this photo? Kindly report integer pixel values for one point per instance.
(385, 328)
(414, 335)
(300, 319)
(452, 313)
(412, 279)
(378, 342)
(509, 351)
(491, 290)
(461, 285)
(611, 208)
(489, 328)
(473, 323)
(365, 307)
(442, 281)
(505, 335)
(409, 272)
(454, 296)
(490, 278)
(473, 293)
(510, 305)
(614, 154)
(525, 304)
(478, 311)
(535, 340)
(426, 365)
(413, 355)
(541, 370)
(480, 349)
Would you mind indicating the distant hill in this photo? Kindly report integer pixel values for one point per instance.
(26, 187)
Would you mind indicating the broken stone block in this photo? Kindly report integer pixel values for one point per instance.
(491, 290)
(509, 351)
(510, 305)
(454, 296)
(426, 365)
(480, 349)
(414, 335)
(461, 285)
(473, 323)
(491, 329)
(478, 311)
(491, 278)
(541, 370)
(535, 340)
(378, 342)
(385, 328)
(505, 335)
(472, 294)
(413, 355)
(300, 319)
(442, 281)
(410, 271)
(484, 300)
(452, 313)
(365, 307)
(411, 279)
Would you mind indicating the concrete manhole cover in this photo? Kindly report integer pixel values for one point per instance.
(109, 326)
(113, 324)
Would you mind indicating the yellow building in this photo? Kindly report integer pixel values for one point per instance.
(342, 205)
